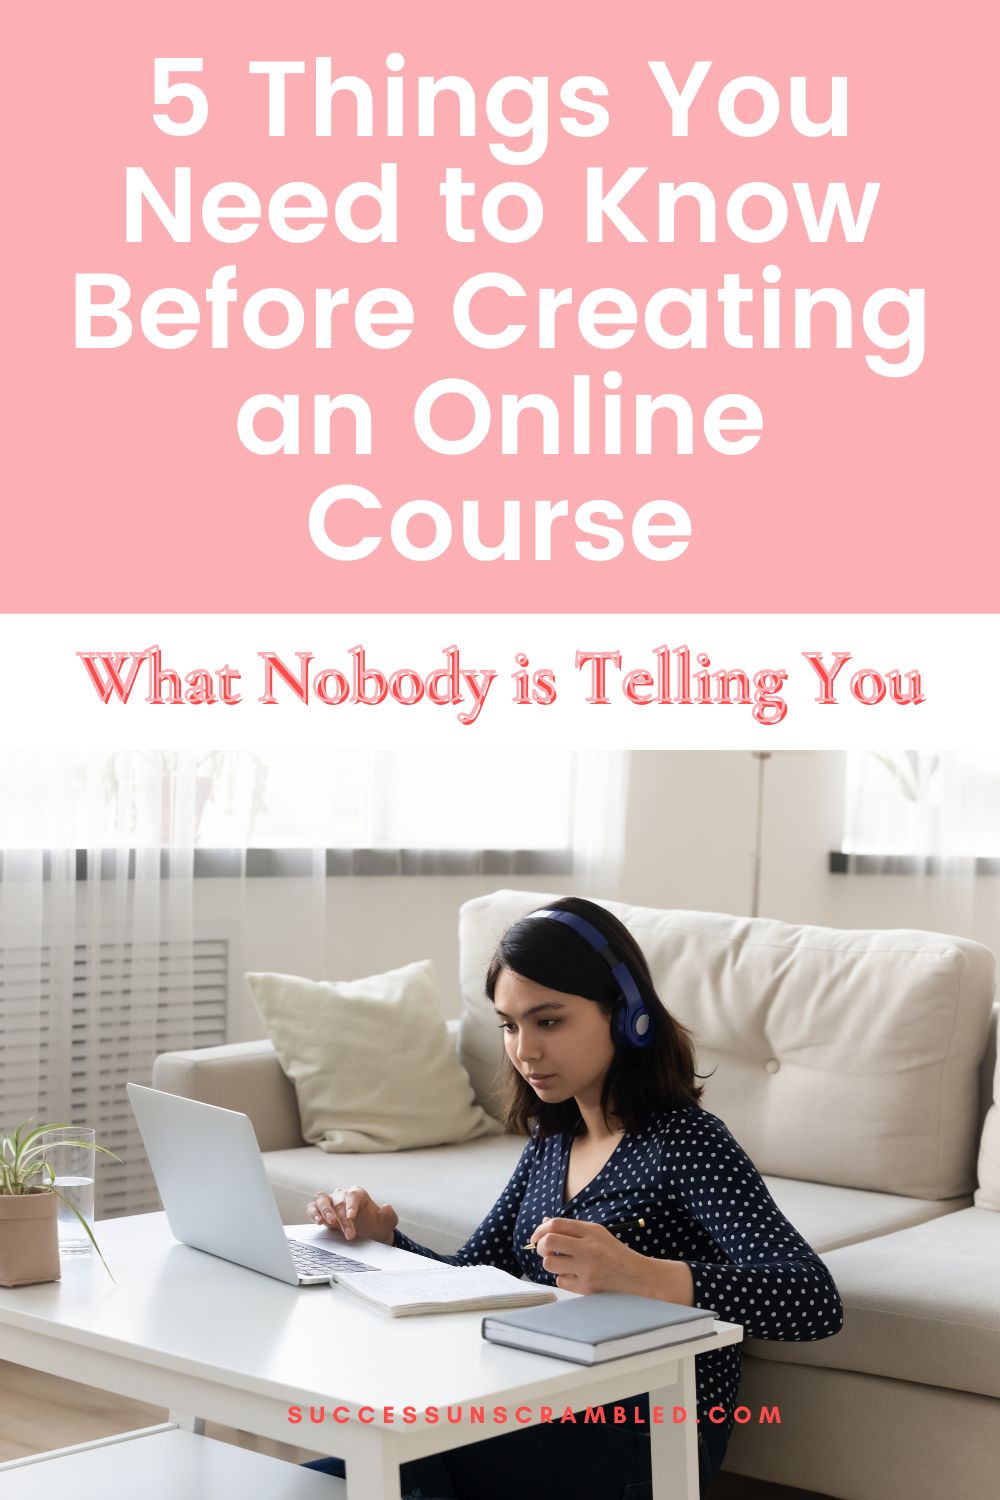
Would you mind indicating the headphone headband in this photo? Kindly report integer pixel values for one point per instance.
(632, 1024)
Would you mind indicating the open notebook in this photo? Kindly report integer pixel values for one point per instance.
(445, 1289)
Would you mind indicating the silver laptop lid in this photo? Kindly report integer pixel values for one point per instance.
(209, 1171)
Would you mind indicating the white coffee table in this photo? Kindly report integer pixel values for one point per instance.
(215, 1342)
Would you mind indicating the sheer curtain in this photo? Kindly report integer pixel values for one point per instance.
(426, 812)
(102, 965)
(597, 829)
(97, 968)
(926, 826)
(937, 810)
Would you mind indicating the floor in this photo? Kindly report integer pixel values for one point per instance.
(39, 1411)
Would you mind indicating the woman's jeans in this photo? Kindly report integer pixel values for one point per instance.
(601, 1461)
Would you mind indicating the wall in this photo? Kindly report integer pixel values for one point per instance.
(689, 843)
(691, 838)
(365, 927)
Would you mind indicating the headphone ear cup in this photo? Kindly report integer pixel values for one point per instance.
(639, 1034)
(631, 1023)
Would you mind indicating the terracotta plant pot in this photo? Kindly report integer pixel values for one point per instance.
(29, 1238)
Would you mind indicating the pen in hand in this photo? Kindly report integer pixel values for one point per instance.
(627, 1224)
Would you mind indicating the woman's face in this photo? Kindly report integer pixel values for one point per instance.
(560, 1043)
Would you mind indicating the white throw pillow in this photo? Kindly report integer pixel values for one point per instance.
(372, 1061)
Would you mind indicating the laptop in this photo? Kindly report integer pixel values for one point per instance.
(217, 1198)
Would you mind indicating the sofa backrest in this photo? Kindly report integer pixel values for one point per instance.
(844, 1057)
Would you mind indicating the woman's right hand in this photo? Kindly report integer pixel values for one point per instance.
(355, 1213)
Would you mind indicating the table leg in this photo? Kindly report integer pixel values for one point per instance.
(373, 1472)
(674, 1446)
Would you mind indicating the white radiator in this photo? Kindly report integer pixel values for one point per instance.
(80, 1020)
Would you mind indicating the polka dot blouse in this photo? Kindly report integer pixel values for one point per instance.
(704, 1202)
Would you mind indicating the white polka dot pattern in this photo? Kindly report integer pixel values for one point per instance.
(704, 1202)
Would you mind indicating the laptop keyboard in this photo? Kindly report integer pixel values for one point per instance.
(313, 1260)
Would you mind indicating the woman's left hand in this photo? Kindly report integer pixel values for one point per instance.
(586, 1257)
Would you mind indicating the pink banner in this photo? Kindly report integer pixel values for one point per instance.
(645, 308)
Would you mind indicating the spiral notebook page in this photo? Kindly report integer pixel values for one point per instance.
(448, 1289)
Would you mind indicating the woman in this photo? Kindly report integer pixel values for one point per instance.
(603, 1078)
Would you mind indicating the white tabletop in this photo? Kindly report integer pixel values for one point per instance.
(186, 1311)
(211, 1340)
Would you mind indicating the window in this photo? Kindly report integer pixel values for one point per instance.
(922, 805)
(420, 800)
(347, 800)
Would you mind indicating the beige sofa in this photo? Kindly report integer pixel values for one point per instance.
(857, 1069)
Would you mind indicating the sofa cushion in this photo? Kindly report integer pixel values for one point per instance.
(988, 1191)
(922, 1305)
(373, 1064)
(440, 1192)
(476, 1173)
(841, 1057)
(829, 1217)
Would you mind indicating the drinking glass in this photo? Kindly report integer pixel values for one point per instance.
(74, 1165)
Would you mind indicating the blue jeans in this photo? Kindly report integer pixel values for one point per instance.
(600, 1461)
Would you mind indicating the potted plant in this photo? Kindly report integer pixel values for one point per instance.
(29, 1205)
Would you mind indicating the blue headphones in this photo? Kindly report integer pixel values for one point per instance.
(631, 1025)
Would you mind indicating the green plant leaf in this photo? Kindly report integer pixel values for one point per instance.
(90, 1233)
(23, 1155)
(25, 1141)
(42, 1146)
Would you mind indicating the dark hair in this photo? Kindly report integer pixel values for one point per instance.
(641, 1081)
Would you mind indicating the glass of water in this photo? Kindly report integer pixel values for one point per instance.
(69, 1152)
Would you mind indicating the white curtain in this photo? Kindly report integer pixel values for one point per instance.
(926, 826)
(100, 958)
(429, 812)
(97, 970)
(598, 815)
(935, 810)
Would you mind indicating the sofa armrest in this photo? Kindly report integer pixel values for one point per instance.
(245, 1076)
(987, 1067)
